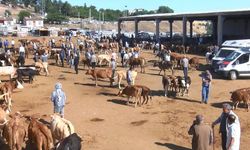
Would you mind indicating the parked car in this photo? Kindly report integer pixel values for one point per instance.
(228, 47)
(237, 64)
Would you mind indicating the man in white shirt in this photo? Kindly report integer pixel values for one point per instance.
(21, 50)
(13, 43)
(233, 133)
(114, 56)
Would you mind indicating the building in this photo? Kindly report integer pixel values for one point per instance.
(7, 21)
(226, 25)
(33, 22)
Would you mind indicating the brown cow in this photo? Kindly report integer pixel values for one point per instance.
(133, 62)
(241, 95)
(132, 91)
(194, 62)
(101, 73)
(39, 135)
(14, 132)
(146, 93)
(164, 66)
(3, 115)
(166, 82)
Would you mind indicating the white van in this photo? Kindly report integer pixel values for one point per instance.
(237, 64)
(227, 48)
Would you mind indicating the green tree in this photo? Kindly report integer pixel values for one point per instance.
(164, 9)
(56, 17)
(22, 14)
(7, 13)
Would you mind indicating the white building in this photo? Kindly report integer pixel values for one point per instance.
(7, 21)
(33, 22)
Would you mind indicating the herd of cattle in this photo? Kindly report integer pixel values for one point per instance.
(58, 133)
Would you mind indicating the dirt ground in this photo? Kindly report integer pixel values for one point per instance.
(105, 121)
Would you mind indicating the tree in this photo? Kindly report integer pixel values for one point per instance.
(22, 14)
(164, 9)
(56, 17)
(7, 13)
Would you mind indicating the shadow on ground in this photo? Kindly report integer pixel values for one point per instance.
(172, 146)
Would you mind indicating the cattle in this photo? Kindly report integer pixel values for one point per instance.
(164, 66)
(85, 62)
(241, 95)
(60, 128)
(176, 59)
(72, 142)
(42, 67)
(3, 115)
(104, 57)
(131, 91)
(101, 74)
(146, 93)
(134, 62)
(8, 70)
(26, 72)
(14, 132)
(166, 82)
(183, 86)
(122, 74)
(7, 89)
(194, 62)
(39, 135)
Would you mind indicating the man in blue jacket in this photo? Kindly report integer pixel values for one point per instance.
(58, 98)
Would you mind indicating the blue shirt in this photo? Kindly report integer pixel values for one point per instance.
(58, 96)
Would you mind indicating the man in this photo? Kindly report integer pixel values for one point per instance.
(185, 67)
(113, 67)
(223, 119)
(129, 76)
(35, 46)
(62, 56)
(6, 44)
(1, 43)
(76, 60)
(12, 43)
(44, 59)
(206, 84)
(58, 98)
(122, 54)
(202, 134)
(114, 55)
(233, 135)
(93, 61)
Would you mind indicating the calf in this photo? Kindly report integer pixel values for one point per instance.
(183, 86)
(146, 93)
(164, 66)
(132, 91)
(26, 72)
(166, 82)
(14, 132)
(241, 95)
(123, 74)
(194, 62)
(60, 128)
(100, 73)
(39, 135)
(72, 142)
(133, 62)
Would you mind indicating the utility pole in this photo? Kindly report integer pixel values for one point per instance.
(103, 19)
(89, 14)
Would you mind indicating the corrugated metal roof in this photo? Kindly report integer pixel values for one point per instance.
(189, 14)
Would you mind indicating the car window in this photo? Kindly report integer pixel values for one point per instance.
(232, 56)
(224, 53)
(242, 59)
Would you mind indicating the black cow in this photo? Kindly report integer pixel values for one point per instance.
(72, 142)
(26, 72)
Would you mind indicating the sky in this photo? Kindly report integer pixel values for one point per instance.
(179, 6)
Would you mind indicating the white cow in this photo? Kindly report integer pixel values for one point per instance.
(8, 71)
(60, 128)
(104, 57)
(122, 74)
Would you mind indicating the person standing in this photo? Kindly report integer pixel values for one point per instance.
(35, 47)
(206, 83)
(93, 61)
(129, 76)
(62, 56)
(1, 43)
(13, 43)
(185, 67)
(202, 134)
(113, 67)
(58, 98)
(44, 59)
(233, 135)
(122, 54)
(222, 120)
(76, 60)
(6, 44)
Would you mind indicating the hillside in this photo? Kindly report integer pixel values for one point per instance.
(14, 11)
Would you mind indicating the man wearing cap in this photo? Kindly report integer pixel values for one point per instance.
(58, 98)
(223, 121)
(233, 134)
(202, 134)
(185, 63)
